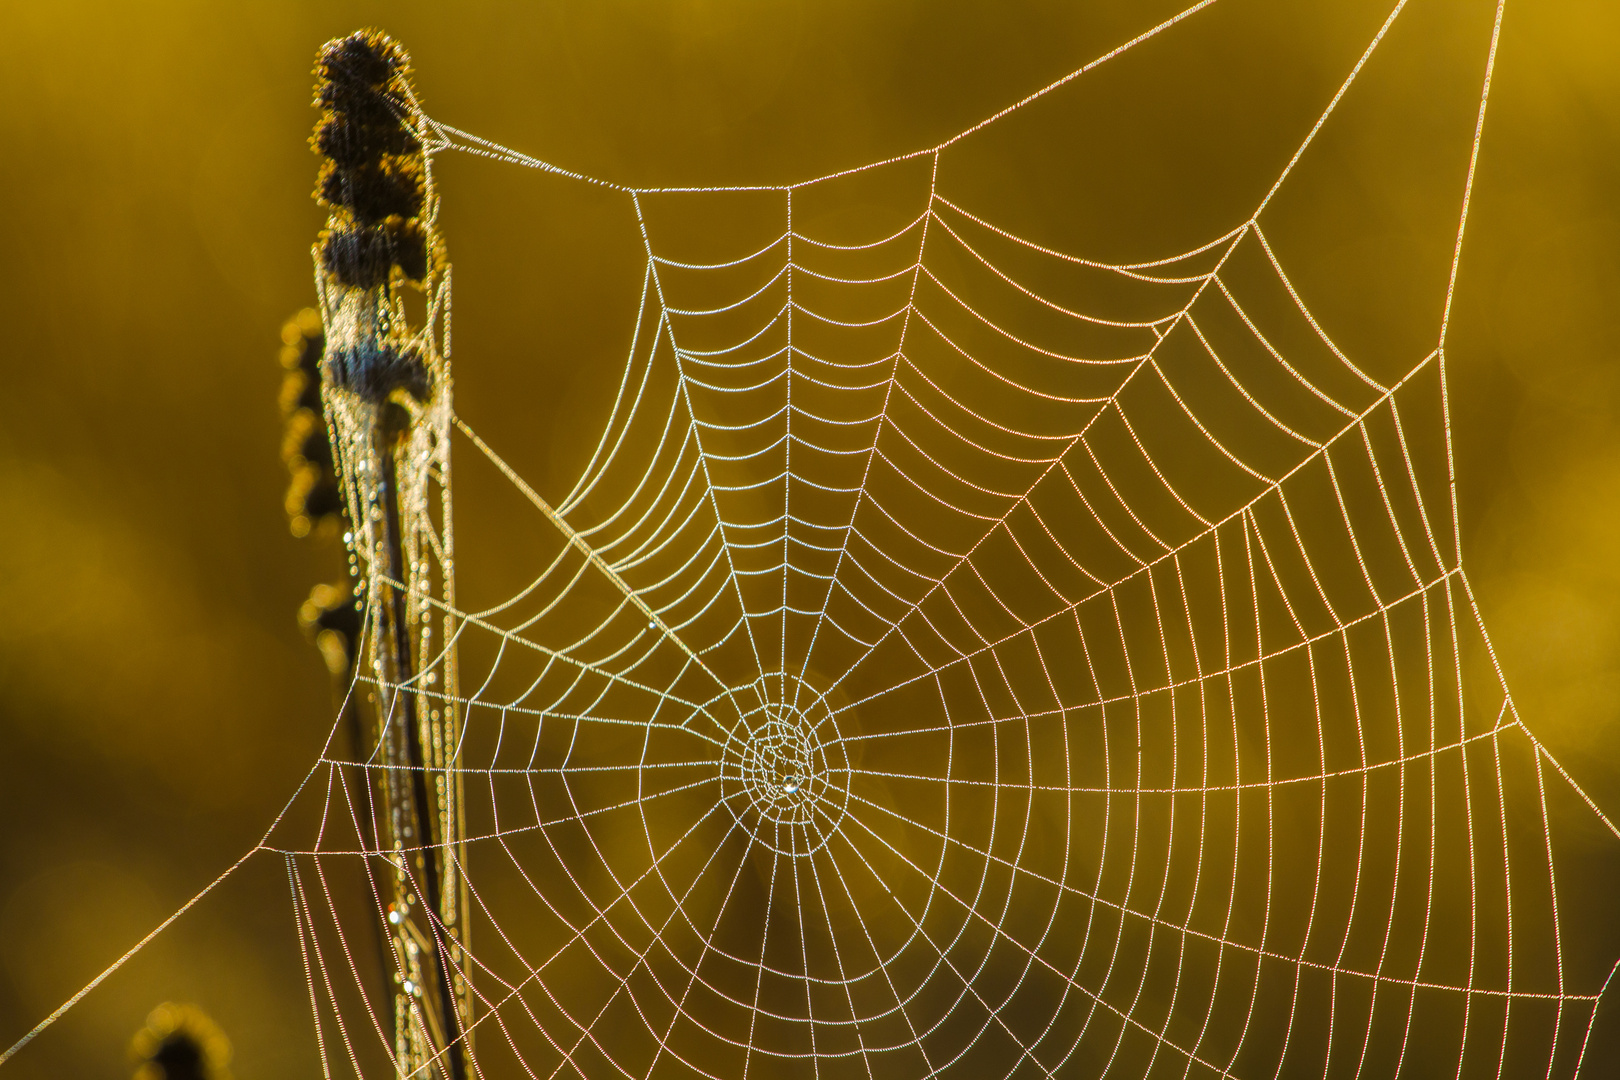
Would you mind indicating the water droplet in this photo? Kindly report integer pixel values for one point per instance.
(791, 786)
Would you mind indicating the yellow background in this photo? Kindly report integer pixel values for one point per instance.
(157, 702)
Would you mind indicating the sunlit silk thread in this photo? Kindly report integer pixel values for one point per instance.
(1028, 851)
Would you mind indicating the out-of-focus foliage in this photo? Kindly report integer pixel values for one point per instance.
(180, 1042)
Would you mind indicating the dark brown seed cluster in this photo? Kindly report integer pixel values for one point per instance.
(374, 177)
(374, 370)
(374, 191)
(364, 257)
(314, 497)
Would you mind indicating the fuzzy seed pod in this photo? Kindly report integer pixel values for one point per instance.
(362, 257)
(352, 143)
(392, 187)
(365, 59)
(374, 372)
(365, 100)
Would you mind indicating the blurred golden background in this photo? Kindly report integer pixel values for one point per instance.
(158, 703)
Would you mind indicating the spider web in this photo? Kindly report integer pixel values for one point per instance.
(964, 656)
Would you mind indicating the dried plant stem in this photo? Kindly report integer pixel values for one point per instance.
(394, 647)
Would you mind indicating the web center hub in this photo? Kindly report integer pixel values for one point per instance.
(785, 775)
